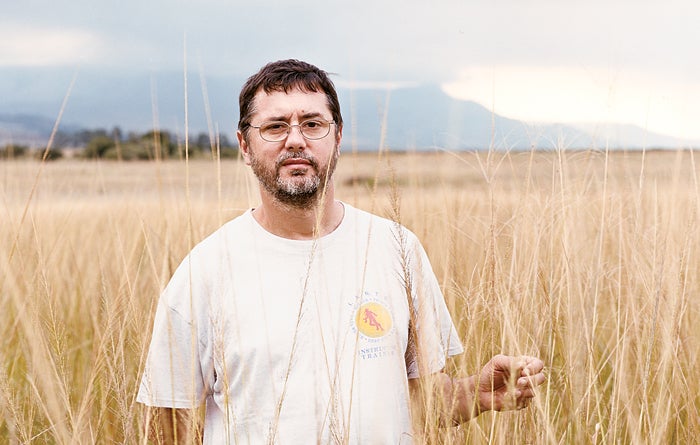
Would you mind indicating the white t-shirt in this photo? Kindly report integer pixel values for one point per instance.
(299, 342)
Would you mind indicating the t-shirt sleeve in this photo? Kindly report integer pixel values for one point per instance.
(172, 375)
(435, 336)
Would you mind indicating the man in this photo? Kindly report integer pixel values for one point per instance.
(306, 320)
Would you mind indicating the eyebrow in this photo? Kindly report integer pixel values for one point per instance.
(304, 116)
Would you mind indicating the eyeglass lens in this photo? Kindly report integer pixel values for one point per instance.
(310, 129)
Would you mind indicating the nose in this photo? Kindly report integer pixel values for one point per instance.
(295, 140)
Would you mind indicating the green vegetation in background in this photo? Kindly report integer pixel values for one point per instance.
(113, 145)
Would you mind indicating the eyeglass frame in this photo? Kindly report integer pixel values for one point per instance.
(290, 126)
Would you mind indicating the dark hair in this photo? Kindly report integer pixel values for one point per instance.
(285, 75)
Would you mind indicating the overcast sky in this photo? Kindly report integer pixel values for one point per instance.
(628, 61)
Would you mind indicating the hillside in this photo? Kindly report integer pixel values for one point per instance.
(421, 117)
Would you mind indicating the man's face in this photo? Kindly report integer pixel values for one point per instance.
(295, 169)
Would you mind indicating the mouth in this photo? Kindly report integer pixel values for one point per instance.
(295, 167)
(294, 162)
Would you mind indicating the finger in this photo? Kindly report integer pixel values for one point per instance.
(525, 365)
(531, 365)
(524, 403)
(512, 400)
(525, 394)
(531, 381)
(506, 363)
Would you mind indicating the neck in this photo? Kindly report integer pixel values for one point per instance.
(315, 220)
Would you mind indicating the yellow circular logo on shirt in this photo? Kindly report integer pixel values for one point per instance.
(373, 320)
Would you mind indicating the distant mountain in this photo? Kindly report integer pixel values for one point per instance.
(427, 118)
(133, 102)
(29, 130)
(416, 118)
(21, 129)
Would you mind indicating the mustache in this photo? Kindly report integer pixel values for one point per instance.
(297, 155)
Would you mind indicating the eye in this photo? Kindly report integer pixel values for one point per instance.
(274, 126)
(312, 124)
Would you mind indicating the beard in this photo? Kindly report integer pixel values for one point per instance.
(302, 188)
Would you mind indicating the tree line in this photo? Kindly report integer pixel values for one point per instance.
(115, 145)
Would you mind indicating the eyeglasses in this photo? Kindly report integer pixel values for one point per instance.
(276, 131)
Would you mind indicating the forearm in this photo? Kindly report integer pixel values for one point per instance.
(460, 401)
(448, 400)
(504, 383)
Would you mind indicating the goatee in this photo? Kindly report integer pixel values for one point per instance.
(301, 190)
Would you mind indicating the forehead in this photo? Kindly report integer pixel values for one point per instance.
(295, 102)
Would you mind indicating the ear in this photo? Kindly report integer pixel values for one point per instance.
(338, 137)
(243, 145)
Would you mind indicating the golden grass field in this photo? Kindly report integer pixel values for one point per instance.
(588, 260)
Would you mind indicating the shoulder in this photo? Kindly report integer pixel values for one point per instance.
(379, 227)
(234, 231)
(207, 255)
(200, 271)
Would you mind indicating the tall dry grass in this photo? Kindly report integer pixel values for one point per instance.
(589, 260)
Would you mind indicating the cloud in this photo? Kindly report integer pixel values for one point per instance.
(40, 47)
(372, 85)
(389, 43)
(583, 95)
